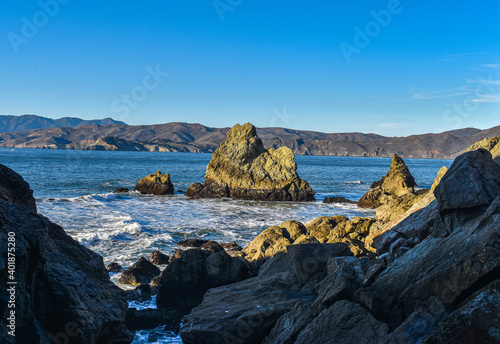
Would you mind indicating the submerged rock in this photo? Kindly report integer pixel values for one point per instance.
(142, 272)
(338, 200)
(242, 168)
(121, 190)
(396, 183)
(63, 291)
(114, 267)
(155, 184)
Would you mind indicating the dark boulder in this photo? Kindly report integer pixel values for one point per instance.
(186, 279)
(338, 200)
(231, 246)
(212, 246)
(121, 190)
(158, 258)
(155, 184)
(114, 267)
(149, 318)
(63, 291)
(142, 272)
(141, 293)
(191, 243)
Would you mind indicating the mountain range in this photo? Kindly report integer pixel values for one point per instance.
(192, 137)
(27, 122)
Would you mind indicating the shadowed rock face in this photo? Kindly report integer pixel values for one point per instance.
(63, 291)
(242, 168)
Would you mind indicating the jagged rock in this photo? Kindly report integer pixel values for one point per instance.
(306, 260)
(396, 183)
(472, 181)
(14, 189)
(142, 272)
(155, 184)
(242, 168)
(121, 190)
(186, 279)
(158, 258)
(140, 294)
(478, 321)
(63, 291)
(442, 171)
(142, 319)
(397, 207)
(191, 243)
(114, 267)
(448, 268)
(338, 200)
(274, 240)
(244, 312)
(322, 227)
(344, 322)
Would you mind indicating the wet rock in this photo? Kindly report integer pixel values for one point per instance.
(61, 284)
(396, 183)
(149, 318)
(306, 260)
(114, 267)
(121, 190)
(344, 322)
(140, 294)
(231, 246)
(338, 200)
(142, 272)
(242, 168)
(191, 243)
(186, 279)
(155, 184)
(158, 258)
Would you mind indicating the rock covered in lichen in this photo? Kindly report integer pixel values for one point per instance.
(242, 168)
(155, 184)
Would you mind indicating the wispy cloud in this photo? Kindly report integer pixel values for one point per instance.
(488, 98)
(422, 95)
(492, 65)
(483, 81)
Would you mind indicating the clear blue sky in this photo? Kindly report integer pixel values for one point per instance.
(328, 66)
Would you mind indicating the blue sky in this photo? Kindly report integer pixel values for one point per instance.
(389, 67)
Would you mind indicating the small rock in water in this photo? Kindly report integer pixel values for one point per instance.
(121, 190)
(231, 246)
(338, 200)
(114, 267)
(212, 246)
(158, 258)
(141, 272)
(155, 184)
(191, 243)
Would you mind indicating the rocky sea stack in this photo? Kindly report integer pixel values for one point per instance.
(242, 168)
(155, 184)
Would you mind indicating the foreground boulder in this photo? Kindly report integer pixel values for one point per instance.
(242, 168)
(186, 279)
(396, 183)
(63, 292)
(155, 184)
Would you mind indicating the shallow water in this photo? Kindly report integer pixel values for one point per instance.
(74, 189)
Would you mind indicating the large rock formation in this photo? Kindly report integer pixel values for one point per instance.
(437, 280)
(396, 183)
(490, 144)
(63, 292)
(242, 168)
(155, 184)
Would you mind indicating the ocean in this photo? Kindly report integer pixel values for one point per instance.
(74, 189)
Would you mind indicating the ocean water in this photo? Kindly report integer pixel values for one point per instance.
(74, 189)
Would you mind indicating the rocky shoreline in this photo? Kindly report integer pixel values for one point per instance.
(426, 269)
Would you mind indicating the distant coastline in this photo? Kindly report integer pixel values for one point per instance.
(197, 138)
